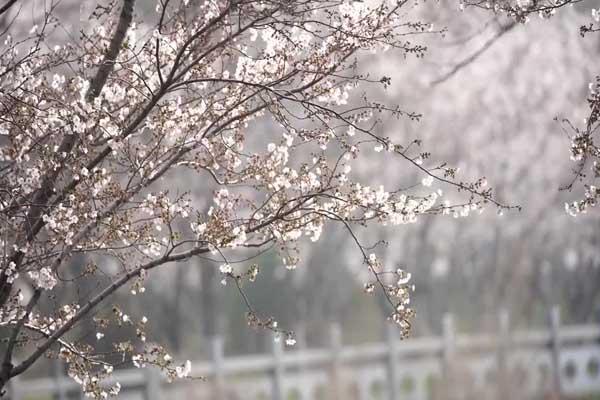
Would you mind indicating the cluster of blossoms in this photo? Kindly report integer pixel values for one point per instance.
(92, 385)
(519, 9)
(158, 357)
(586, 153)
(593, 26)
(397, 286)
(584, 150)
(90, 161)
(44, 278)
(10, 272)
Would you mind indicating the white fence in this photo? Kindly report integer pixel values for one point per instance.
(561, 360)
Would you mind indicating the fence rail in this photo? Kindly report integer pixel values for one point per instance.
(562, 360)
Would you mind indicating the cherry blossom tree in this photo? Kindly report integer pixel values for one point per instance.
(519, 82)
(584, 150)
(94, 134)
(495, 117)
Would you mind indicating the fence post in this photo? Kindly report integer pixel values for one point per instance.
(300, 336)
(13, 389)
(449, 339)
(555, 345)
(503, 338)
(61, 392)
(392, 361)
(278, 368)
(217, 355)
(335, 343)
(153, 384)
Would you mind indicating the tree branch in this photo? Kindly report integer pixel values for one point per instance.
(90, 305)
(7, 6)
(43, 195)
(7, 366)
(113, 51)
(462, 64)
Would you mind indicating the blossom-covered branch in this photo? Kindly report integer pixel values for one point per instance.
(109, 146)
